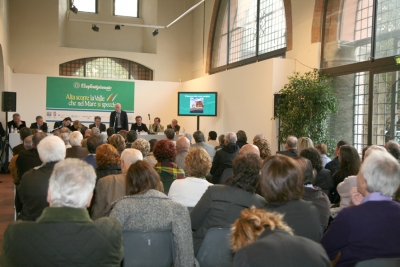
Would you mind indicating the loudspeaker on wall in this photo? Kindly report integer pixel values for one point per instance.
(9, 101)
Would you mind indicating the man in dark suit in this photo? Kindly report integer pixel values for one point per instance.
(23, 133)
(291, 147)
(139, 126)
(174, 125)
(119, 119)
(66, 122)
(39, 124)
(92, 143)
(16, 123)
(97, 123)
(334, 165)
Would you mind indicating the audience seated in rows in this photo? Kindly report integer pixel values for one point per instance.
(143, 146)
(64, 234)
(182, 149)
(198, 137)
(224, 157)
(369, 230)
(147, 208)
(188, 191)
(220, 205)
(333, 166)
(165, 153)
(281, 184)
(112, 187)
(313, 193)
(76, 150)
(108, 161)
(241, 138)
(93, 143)
(323, 150)
(291, 147)
(323, 177)
(261, 238)
(32, 190)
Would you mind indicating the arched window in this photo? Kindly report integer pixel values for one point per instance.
(246, 31)
(360, 39)
(105, 67)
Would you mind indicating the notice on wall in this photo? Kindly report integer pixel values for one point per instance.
(83, 99)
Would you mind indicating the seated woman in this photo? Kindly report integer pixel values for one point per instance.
(165, 153)
(323, 150)
(117, 141)
(323, 177)
(188, 191)
(264, 147)
(147, 208)
(281, 184)
(260, 238)
(108, 161)
(221, 204)
(303, 143)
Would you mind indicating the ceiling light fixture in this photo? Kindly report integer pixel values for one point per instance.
(95, 28)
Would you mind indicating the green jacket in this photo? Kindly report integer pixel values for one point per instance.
(63, 237)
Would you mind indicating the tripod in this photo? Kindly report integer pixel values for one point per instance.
(4, 151)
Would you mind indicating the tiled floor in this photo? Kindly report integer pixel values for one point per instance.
(6, 204)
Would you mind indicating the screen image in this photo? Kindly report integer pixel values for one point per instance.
(197, 104)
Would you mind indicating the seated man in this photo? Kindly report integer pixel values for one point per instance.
(139, 126)
(16, 123)
(64, 235)
(66, 122)
(198, 137)
(23, 133)
(170, 134)
(32, 190)
(369, 230)
(76, 150)
(131, 137)
(97, 123)
(39, 124)
(291, 147)
(212, 138)
(156, 126)
(182, 149)
(113, 187)
(174, 125)
(92, 143)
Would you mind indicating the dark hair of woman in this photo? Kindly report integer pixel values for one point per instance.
(312, 155)
(349, 162)
(246, 172)
(306, 167)
(141, 177)
(164, 150)
(281, 179)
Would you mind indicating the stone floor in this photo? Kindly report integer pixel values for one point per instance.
(6, 204)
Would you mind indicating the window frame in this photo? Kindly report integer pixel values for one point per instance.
(137, 1)
(96, 7)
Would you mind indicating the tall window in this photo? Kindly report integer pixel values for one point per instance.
(247, 30)
(128, 8)
(369, 89)
(85, 5)
(108, 68)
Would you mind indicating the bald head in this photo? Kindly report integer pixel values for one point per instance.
(249, 149)
(182, 144)
(128, 157)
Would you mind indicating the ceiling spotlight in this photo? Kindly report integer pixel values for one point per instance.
(74, 9)
(117, 27)
(95, 28)
(155, 32)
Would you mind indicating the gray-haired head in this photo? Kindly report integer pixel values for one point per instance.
(65, 130)
(198, 136)
(373, 148)
(71, 187)
(170, 134)
(28, 142)
(291, 142)
(65, 138)
(188, 136)
(381, 172)
(182, 144)
(95, 130)
(128, 157)
(37, 137)
(16, 115)
(230, 138)
(75, 138)
(51, 149)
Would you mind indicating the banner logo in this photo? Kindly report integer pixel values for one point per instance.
(77, 85)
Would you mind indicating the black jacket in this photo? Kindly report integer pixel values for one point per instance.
(15, 125)
(27, 159)
(292, 153)
(142, 127)
(102, 127)
(124, 120)
(333, 166)
(102, 172)
(320, 201)
(324, 180)
(223, 159)
(35, 126)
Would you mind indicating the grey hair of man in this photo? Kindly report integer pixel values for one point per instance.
(95, 130)
(230, 138)
(198, 136)
(52, 149)
(37, 137)
(71, 187)
(170, 134)
(75, 138)
(65, 138)
(381, 171)
(65, 130)
(259, 137)
(182, 144)
(16, 115)
(291, 142)
(128, 157)
(28, 142)
(373, 148)
(188, 136)
(39, 117)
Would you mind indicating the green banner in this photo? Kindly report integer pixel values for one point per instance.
(79, 94)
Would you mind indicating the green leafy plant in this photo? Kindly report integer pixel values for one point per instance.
(303, 109)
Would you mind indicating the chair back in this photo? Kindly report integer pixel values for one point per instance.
(215, 249)
(228, 173)
(148, 249)
(387, 262)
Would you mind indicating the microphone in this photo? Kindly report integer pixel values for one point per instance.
(149, 116)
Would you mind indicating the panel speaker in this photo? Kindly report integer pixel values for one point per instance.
(9, 102)
(277, 99)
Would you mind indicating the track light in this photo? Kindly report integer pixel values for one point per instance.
(155, 32)
(117, 27)
(95, 28)
(74, 9)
